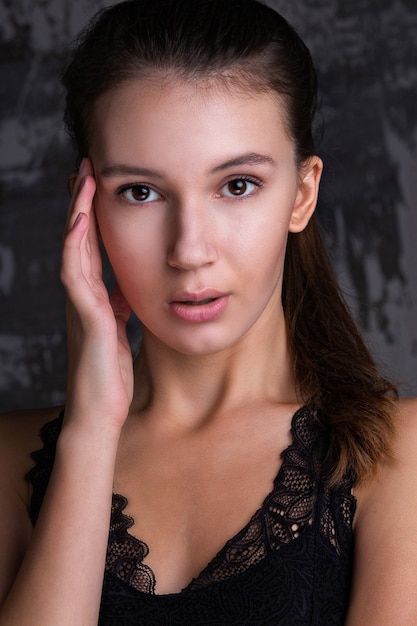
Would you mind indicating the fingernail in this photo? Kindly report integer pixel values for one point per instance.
(77, 219)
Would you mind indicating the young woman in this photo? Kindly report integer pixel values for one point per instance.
(253, 466)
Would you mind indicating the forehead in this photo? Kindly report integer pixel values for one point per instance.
(197, 116)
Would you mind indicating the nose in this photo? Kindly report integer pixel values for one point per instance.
(192, 240)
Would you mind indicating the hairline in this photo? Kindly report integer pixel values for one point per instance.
(234, 79)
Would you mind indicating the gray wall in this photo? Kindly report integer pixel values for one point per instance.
(366, 53)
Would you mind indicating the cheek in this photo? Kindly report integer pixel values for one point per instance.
(124, 233)
(128, 252)
(262, 241)
(132, 253)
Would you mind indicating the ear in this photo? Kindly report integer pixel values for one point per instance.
(306, 200)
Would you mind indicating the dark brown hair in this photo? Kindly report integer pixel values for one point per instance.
(247, 44)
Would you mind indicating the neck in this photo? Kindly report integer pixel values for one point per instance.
(192, 389)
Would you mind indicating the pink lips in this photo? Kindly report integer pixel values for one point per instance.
(202, 306)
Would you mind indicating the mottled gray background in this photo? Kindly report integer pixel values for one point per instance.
(366, 54)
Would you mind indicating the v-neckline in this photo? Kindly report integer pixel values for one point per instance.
(125, 522)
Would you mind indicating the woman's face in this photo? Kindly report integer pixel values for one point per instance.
(197, 189)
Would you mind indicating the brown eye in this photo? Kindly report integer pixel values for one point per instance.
(237, 187)
(240, 187)
(139, 193)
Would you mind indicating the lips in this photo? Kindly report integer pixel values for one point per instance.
(196, 298)
(199, 302)
(202, 306)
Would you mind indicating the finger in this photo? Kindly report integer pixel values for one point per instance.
(121, 307)
(86, 204)
(81, 261)
(122, 312)
(92, 244)
(72, 270)
(82, 201)
(86, 169)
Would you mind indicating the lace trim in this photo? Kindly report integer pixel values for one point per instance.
(44, 459)
(284, 516)
(298, 501)
(125, 552)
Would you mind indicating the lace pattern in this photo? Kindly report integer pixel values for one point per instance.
(125, 553)
(298, 501)
(44, 459)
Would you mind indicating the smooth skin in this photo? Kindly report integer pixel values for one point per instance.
(194, 191)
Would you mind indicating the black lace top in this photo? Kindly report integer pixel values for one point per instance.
(289, 566)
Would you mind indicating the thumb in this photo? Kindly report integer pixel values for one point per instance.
(121, 310)
(121, 307)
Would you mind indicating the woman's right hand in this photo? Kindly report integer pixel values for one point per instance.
(100, 369)
(69, 562)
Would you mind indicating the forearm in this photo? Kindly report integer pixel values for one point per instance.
(60, 580)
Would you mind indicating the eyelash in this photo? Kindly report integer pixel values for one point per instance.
(121, 190)
(246, 179)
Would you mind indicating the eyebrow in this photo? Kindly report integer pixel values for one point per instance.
(249, 158)
(127, 170)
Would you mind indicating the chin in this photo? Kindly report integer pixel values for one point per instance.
(195, 344)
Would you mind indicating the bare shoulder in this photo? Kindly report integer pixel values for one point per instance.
(19, 436)
(22, 428)
(404, 446)
(385, 569)
(406, 423)
(398, 476)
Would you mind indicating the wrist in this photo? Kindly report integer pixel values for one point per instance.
(90, 434)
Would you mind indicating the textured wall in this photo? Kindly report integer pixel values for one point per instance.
(366, 53)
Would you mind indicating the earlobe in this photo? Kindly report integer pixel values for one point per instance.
(306, 200)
